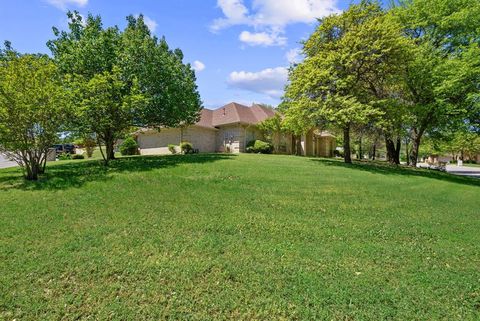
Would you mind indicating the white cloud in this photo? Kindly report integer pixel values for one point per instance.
(294, 55)
(269, 81)
(63, 4)
(272, 16)
(282, 12)
(235, 13)
(262, 39)
(198, 66)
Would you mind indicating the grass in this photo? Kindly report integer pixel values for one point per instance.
(471, 165)
(216, 237)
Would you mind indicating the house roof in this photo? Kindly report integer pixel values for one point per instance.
(236, 113)
(232, 113)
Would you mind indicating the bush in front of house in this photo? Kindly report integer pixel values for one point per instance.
(172, 148)
(64, 156)
(258, 146)
(129, 147)
(78, 156)
(186, 147)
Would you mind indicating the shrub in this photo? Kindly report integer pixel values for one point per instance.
(172, 149)
(78, 156)
(129, 147)
(64, 156)
(87, 143)
(186, 147)
(258, 146)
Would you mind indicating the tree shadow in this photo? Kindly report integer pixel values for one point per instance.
(385, 168)
(74, 174)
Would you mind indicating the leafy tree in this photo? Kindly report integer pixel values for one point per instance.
(464, 144)
(344, 80)
(168, 83)
(106, 109)
(146, 84)
(273, 128)
(32, 109)
(442, 78)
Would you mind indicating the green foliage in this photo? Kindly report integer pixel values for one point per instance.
(273, 129)
(129, 147)
(172, 148)
(258, 146)
(123, 79)
(168, 83)
(441, 79)
(78, 156)
(64, 156)
(186, 147)
(107, 107)
(33, 108)
(88, 143)
(348, 76)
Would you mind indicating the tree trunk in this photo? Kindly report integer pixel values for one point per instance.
(105, 159)
(111, 152)
(393, 152)
(32, 168)
(414, 150)
(360, 152)
(43, 161)
(397, 151)
(407, 152)
(298, 145)
(374, 151)
(346, 145)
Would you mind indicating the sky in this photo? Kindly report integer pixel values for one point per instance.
(240, 49)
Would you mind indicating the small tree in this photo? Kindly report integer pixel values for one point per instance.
(32, 110)
(89, 145)
(273, 129)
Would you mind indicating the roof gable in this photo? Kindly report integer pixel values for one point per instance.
(235, 113)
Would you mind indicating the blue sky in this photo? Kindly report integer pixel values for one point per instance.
(240, 48)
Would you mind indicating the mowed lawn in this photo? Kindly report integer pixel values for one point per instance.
(248, 237)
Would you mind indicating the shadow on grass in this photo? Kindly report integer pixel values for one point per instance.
(77, 173)
(387, 169)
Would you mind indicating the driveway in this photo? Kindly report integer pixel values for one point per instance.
(464, 170)
(5, 163)
(458, 170)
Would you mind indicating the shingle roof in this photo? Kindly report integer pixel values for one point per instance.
(206, 116)
(233, 113)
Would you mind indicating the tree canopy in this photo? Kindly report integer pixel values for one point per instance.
(403, 72)
(148, 84)
(33, 107)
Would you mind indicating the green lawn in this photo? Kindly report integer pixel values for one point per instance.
(204, 237)
(472, 165)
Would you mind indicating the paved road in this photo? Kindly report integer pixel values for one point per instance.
(5, 163)
(464, 170)
(459, 170)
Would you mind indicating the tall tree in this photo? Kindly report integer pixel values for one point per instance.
(33, 107)
(144, 65)
(168, 83)
(350, 60)
(442, 79)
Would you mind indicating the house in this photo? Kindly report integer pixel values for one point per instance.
(229, 129)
